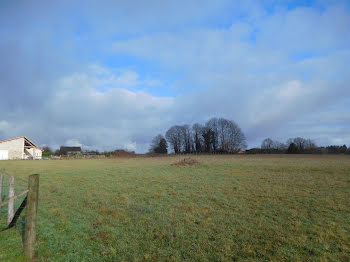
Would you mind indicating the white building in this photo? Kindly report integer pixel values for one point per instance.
(19, 148)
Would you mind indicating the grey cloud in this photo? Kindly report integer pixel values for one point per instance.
(53, 92)
(261, 102)
(97, 120)
(306, 30)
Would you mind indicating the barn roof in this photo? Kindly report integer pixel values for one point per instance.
(71, 148)
(26, 139)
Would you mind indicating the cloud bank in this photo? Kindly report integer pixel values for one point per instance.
(115, 75)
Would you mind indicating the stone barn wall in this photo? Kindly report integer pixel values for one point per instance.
(15, 148)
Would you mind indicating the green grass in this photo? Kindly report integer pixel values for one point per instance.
(227, 208)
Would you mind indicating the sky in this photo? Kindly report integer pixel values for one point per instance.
(113, 74)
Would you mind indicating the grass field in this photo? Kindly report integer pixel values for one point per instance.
(227, 208)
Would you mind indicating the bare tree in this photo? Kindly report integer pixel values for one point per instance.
(197, 138)
(310, 145)
(174, 137)
(236, 139)
(218, 135)
(225, 136)
(212, 124)
(267, 144)
(280, 146)
(224, 131)
(186, 138)
(207, 134)
(272, 146)
(303, 145)
(159, 145)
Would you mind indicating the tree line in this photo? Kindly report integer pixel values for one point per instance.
(217, 135)
(296, 145)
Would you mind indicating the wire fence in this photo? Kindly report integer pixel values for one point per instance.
(14, 189)
(20, 186)
(14, 241)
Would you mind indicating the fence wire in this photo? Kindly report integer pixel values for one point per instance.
(11, 241)
(21, 185)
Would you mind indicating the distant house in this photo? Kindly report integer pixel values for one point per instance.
(19, 148)
(240, 152)
(70, 150)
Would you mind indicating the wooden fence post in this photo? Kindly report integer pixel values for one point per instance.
(2, 171)
(11, 204)
(32, 209)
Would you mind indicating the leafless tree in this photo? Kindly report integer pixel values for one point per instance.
(267, 144)
(236, 139)
(272, 146)
(197, 138)
(226, 136)
(303, 145)
(217, 135)
(186, 138)
(174, 137)
(159, 145)
(212, 125)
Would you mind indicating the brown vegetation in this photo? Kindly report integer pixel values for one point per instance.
(123, 153)
(186, 162)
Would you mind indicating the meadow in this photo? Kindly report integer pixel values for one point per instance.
(225, 208)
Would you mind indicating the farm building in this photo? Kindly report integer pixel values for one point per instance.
(70, 150)
(19, 148)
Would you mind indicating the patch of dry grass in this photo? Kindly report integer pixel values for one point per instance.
(187, 161)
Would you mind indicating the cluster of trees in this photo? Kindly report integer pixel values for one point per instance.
(300, 145)
(48, 152)
(296, 145)
(293, 146)
(217, 135)
(337, 149)
(159, 145)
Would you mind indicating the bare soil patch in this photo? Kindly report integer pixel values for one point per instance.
(186, 162)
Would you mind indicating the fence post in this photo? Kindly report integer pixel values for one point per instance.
(32, 208)
(2, 171)
(11, 204)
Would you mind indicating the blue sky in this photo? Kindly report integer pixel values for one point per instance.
(113, 74)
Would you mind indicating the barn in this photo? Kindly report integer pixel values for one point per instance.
(19, 148)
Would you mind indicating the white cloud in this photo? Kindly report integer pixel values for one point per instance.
(296, 65)
(268, 68)
(73, 142)
(4, 124)
(106, 119)
(130, 146)
(292, 90)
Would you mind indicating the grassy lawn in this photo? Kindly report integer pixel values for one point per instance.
(227, 208)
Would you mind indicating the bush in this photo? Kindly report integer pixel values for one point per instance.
(47, 154)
